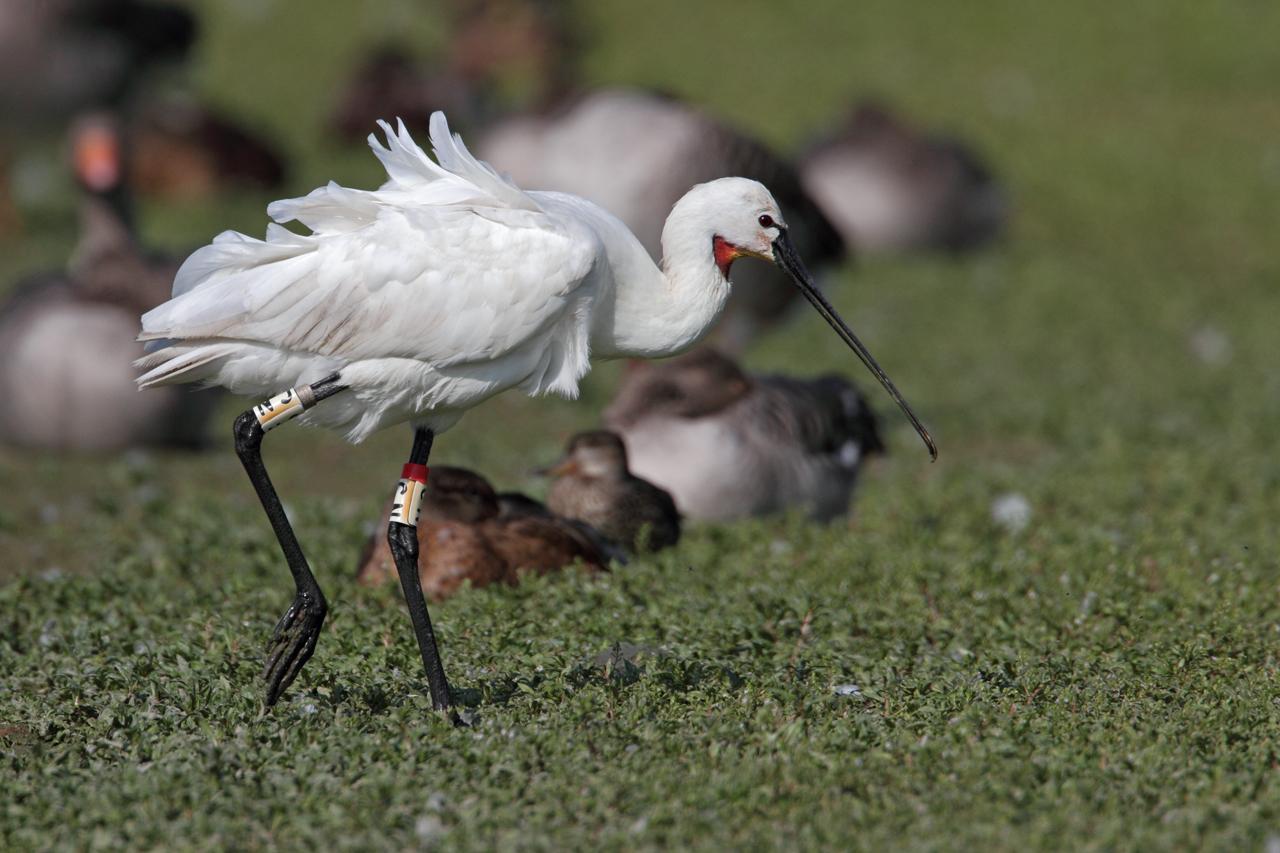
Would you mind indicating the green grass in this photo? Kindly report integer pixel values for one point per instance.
(1104, 679)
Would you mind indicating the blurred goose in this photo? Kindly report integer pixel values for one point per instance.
(728, 445)
(890, 188)
(501, 53)
(521, 51)
(635, 153)
(68, 339)
(60, 57)
(467, 532)
(593, 484)
(180, 149)
(391, 81)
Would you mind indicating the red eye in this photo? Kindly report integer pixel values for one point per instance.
(766, 221)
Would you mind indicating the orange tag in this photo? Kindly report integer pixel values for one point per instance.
(407, 504)
(277, 410)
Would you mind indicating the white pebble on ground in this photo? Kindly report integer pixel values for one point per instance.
(1011, 511)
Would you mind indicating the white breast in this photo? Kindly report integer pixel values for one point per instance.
(702, 464)
(725, 467)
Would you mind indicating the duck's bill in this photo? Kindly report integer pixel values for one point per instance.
(786, 257)
(565, 466)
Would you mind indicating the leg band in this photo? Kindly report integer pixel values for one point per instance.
(407, 504)
(284, 407)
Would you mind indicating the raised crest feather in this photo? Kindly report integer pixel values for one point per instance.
(468, 179)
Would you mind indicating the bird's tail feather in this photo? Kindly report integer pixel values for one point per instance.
(185, 362)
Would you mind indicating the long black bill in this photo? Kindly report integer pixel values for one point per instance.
(786, 257)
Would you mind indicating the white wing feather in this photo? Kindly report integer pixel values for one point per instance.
(447, 264)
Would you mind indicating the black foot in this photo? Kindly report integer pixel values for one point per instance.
(293, 642)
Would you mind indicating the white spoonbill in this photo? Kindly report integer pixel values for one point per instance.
(420, 300)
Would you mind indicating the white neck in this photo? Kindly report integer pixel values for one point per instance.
(663, 311)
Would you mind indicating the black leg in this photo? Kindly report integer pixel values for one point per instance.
(296, 633)
(402, 536)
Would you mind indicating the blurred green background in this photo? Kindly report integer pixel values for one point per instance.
(1138, 148)
(1112, 360)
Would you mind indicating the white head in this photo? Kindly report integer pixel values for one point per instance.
(731, 218)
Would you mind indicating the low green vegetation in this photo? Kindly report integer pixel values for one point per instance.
(920, 676)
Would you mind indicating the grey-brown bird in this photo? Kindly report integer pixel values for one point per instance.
(62, 57)
(500, 54)
(183, 150)
(727, 444)
(391, 81)
(889, 187)
(467, 532)
(594, 484)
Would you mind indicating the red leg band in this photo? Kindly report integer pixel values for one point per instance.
(414, 471)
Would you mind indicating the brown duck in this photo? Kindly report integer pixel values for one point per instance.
(467, 532)
(593, 484)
